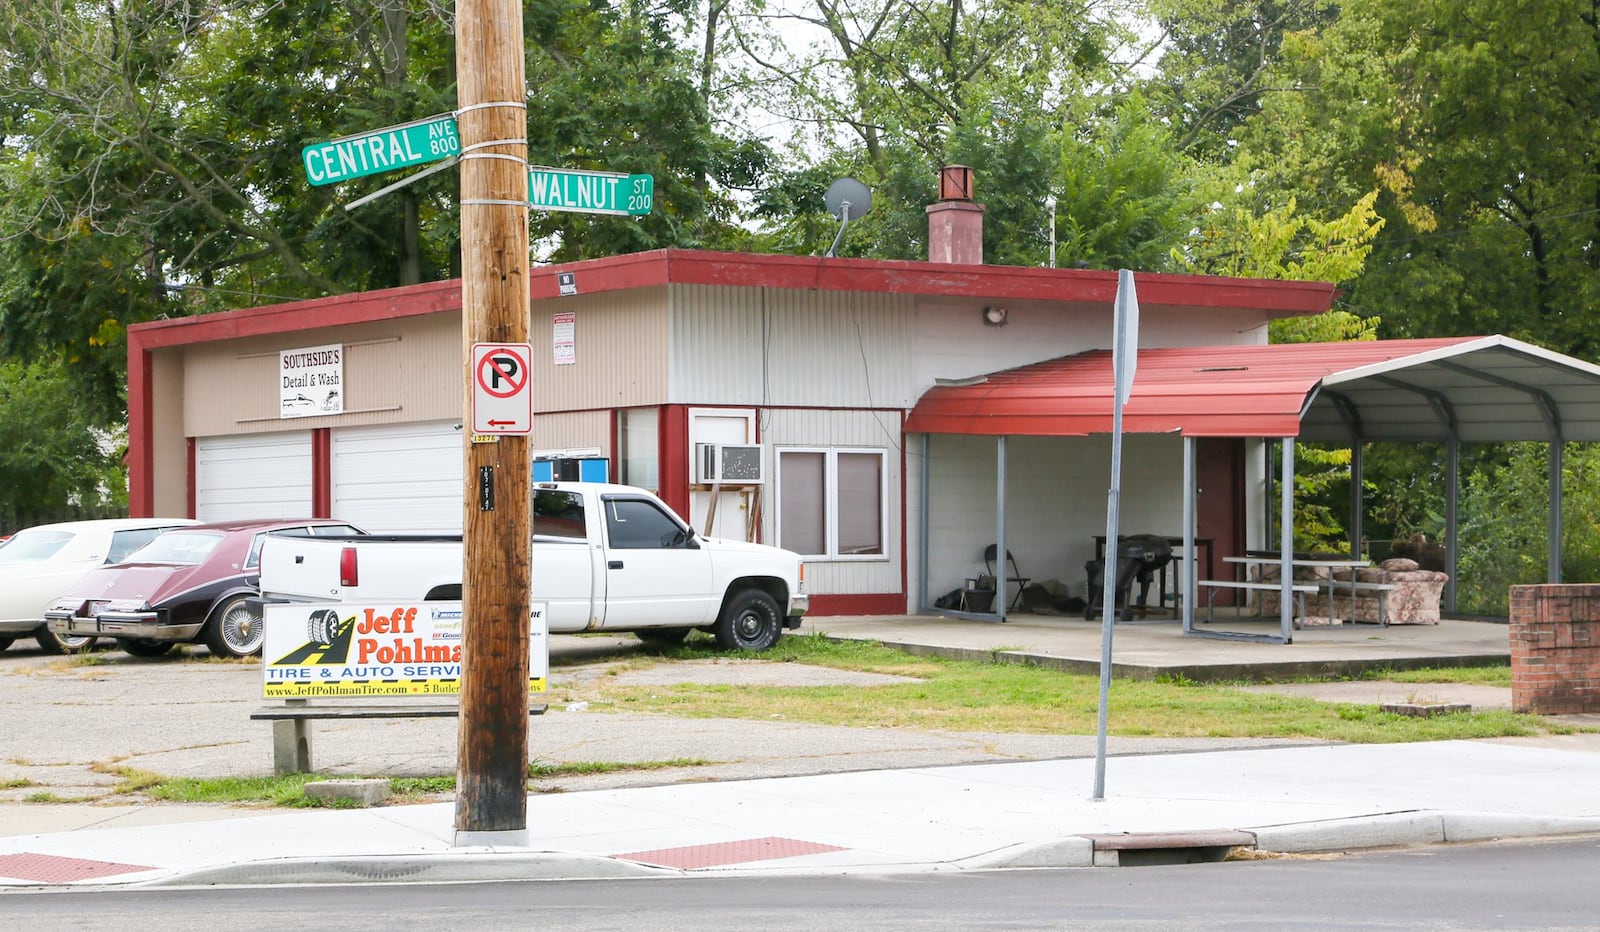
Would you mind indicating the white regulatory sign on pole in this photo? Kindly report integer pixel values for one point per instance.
(502, 388)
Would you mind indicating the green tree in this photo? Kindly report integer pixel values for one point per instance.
(151, 157)
(1505, 523)
(1218, 60)
(893, 90)
(1127, 196)
(54, 463)
(1474, 118)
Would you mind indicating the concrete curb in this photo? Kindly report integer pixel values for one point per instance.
(1389, 830)
(1406, 829)
(457, 866)
(1072, 851)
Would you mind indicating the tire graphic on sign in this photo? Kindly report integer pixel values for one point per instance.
(329, 639)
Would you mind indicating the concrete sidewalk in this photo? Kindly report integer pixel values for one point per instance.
(783, 797)
(1029, 814)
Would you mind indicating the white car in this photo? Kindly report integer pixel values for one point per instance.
(38, 564)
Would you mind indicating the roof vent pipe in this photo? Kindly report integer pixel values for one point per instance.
(955, 223)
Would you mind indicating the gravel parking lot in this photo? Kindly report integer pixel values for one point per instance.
(69, 722)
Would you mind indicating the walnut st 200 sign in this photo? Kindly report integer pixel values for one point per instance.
(502, 388)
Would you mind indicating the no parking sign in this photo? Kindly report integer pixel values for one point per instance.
(502, 388)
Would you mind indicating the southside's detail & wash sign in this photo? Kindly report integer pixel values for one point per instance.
(311, 381)
(316, 650)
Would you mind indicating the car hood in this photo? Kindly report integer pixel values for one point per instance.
(145, 582)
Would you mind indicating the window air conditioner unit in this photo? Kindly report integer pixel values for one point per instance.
(728, 464)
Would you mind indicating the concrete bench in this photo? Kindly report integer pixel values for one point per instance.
(291, 724)
(1301, 590)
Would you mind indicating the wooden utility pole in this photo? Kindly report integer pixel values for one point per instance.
(492, 746)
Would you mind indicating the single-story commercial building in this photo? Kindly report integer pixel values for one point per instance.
(849, 409)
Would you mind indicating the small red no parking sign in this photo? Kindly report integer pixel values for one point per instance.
(502, 388)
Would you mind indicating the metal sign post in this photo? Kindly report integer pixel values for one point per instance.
(1124, 356)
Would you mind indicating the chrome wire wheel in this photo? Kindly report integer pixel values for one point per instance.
(235, 630)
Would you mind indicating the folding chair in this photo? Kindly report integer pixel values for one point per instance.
(1013, 575)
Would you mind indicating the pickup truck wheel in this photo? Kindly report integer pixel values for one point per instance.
(144, 647)
(750, 621)
(53, 643)
(234, 630)
(5, 643)
(662, 635)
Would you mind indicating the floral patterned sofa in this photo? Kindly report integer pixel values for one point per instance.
(1412, 599)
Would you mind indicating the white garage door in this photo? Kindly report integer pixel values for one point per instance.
(253, 476)
(399, 478)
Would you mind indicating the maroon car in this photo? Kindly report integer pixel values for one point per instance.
(189, 584)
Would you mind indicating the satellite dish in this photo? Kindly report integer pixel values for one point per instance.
(846, 198)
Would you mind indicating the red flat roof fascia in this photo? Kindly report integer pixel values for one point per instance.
(731, 269)
(1089, 286)
(337, 310)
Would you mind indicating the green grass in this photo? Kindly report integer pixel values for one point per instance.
(288, 790)
(585, 768)
(1013, 698)
(1481, 676)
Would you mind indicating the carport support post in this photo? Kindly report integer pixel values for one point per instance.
(1452, 517)
(1553, 545)
(1358, 471)
(1286, 542)
(923, 557)
(492, 741)
(1001, 584)
(1189, 587)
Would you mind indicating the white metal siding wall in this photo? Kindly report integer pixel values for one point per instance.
(253, 476)
(952, 342)
(399, 478)
(779, 346)
(842, 429)
(1056, 494)
(620, 349)
(579, 430)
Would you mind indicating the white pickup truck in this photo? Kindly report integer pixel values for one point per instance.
(605, 558)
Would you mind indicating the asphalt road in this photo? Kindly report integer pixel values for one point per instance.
(1530, 885)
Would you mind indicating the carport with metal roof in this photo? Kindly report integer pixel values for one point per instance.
(1446, 390)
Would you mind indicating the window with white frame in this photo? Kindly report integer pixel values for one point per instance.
(831, 503)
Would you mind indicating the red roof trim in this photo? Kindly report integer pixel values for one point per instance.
(729, 269)
(338, 310)
(1200, 391)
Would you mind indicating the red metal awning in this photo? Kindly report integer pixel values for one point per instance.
(1200, 391)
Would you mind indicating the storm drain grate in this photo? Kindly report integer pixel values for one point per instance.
(690, 857)
(47, 868)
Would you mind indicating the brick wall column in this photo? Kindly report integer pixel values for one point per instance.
(1555, 649)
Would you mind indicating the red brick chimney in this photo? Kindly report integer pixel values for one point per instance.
(955, 224)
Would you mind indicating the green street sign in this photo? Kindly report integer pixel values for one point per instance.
(591, 192)
(381, 150)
